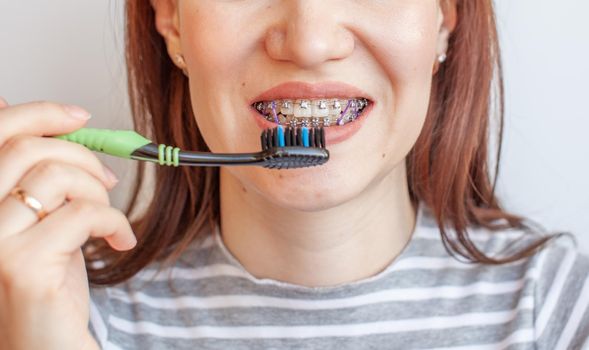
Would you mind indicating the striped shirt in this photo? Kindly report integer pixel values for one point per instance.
(425, 299)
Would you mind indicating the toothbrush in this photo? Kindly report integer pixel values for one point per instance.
(282, 148)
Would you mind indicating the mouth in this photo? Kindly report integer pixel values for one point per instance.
(325, 112)
(338, 107)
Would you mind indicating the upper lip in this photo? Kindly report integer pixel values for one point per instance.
(300, 90)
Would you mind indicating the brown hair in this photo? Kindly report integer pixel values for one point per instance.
(447, 168)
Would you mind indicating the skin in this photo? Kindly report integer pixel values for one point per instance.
(344, 221)
(44, 294)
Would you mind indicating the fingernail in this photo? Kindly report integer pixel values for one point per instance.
(112, 178)
(132, 242)
(77, 112)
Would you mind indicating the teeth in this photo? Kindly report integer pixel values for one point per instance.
(320, 109)
(287, 108)
(302, 108)
(307, 112)
(260, 107)
(335, 108)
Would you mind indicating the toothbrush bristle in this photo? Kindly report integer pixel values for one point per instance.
(293, 137)
(291, 147)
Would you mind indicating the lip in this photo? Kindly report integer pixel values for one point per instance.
(299, 89)
(295, 89)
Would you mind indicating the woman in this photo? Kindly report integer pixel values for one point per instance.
(397, 242)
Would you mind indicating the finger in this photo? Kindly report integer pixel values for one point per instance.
(65, 230)
(40, 119)
(21, 153)
(51, 183)
(3, 102)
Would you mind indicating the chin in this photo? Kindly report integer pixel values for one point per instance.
(310, 198)
(308, 190)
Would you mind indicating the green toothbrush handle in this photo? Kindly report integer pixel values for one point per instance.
(120, 143)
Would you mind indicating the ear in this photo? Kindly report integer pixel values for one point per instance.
(167, 24)
(447, 23)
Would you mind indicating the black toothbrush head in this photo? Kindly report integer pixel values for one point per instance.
(289, 147)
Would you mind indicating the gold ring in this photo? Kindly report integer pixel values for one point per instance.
(29, 201)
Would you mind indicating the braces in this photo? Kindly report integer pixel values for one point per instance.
(352, 109)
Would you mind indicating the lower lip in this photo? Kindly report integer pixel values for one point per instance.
(333, 134)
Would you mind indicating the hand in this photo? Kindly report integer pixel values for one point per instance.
(44, 294)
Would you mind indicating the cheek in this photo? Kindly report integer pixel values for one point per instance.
(408, 41)
(209, 44)
(407, 62)
(215, 57)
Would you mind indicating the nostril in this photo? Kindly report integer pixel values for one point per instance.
(309, 41)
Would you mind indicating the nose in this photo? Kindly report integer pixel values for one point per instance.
(309, 33)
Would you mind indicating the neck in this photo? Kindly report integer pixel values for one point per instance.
(347, 243)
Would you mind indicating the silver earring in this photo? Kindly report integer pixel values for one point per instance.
(180, 59)
(181, 62)
(442, 58)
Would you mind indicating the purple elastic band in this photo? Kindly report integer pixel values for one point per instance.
(341, 116)
(274, 112)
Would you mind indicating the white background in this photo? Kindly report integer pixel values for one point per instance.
(72, 51)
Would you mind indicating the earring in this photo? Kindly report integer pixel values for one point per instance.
(181, 63)
(442, 58)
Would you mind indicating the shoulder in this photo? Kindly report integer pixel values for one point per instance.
(561, 297)
(558, 281)
(552, 264)
(552, 283)
(557, 284)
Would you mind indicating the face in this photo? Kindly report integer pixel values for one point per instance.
(236, 50)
